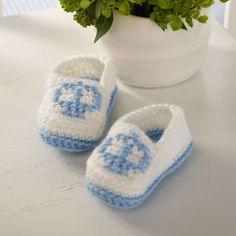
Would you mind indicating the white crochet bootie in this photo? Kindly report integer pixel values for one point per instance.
(80, 93)
(140, 149)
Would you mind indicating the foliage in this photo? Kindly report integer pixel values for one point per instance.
(178, 14)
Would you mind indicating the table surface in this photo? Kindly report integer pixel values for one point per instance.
(42, 189)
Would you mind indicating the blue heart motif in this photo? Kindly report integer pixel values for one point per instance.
(125, 154)
(77, 99)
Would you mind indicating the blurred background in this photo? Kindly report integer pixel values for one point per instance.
(20, 7)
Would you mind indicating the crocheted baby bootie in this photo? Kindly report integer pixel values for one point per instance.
(140, 149)
(80, 93)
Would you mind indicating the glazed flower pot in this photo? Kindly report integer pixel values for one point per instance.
(146, 56)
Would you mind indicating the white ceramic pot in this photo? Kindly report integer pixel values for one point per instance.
(146, 56)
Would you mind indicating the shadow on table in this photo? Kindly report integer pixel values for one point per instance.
(189, 201)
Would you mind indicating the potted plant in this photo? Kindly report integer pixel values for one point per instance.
(152, 43)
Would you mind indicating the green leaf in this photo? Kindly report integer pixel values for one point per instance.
(139, 2)
(70, 5)
(106, 11)
(102, 25)
(165, 4)
(206, 3)
(83, 18)
(203, 19)
(152, 16)
(85, 3)
(183, 26)
(175, 22)
(91, 10)
(124, 8)
(153, 2)
(189, 20)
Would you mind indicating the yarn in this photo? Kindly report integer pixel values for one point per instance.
(76, 99)
(124, 154)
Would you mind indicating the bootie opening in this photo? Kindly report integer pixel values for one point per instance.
(81, 67)
(155, 134)
(152, 121)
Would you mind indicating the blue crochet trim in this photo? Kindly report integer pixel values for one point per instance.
(73, 105)
(118, 201)
(111, 103)
(69, 144)
(66, 143)
(124, 160)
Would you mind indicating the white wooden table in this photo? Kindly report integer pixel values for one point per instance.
(41, 189)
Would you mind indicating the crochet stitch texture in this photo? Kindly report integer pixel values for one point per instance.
(140, 149)
(124, 153)
(76, 99)
(80, 94)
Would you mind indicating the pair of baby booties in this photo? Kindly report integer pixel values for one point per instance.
(140, 149)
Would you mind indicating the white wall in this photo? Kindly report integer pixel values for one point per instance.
(19, 7)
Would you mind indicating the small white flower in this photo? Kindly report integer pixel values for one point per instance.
(115, 148)
(135, 156)
(67, 94)
(87, 97)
